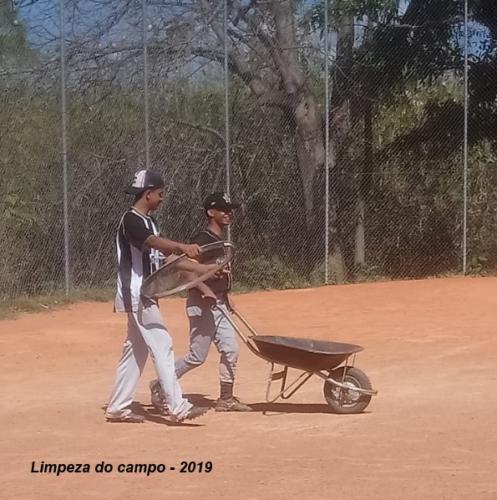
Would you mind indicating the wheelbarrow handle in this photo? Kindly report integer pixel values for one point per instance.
(245, 322)
(237, 329)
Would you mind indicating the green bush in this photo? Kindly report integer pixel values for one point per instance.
(267, 273)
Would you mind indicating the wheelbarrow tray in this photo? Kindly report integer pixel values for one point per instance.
(304, 354)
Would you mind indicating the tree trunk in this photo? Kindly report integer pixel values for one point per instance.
(360, 232)
(365, 182)
(299, 101)
(338, 271)
(340, 121)
(309, 148)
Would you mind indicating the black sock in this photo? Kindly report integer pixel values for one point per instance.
(226, 390)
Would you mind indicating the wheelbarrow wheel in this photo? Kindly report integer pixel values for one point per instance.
(347, 401)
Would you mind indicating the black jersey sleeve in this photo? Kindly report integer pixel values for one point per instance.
(136, 230)
(203, 238)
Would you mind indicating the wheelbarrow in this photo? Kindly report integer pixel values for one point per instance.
(346, 389)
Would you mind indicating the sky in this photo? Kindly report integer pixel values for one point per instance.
(41, 20)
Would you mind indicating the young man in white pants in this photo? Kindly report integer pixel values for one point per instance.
(140, 250)
(208, 325)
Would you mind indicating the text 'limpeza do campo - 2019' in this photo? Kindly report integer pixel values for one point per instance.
(102, 467)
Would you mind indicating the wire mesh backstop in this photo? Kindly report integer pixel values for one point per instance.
(358, 136)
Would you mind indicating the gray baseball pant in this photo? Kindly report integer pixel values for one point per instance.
(207, 326)
(146, 333)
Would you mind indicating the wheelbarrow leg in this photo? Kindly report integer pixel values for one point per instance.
(275, 376)
(285, 392)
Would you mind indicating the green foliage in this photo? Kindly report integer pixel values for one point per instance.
(267, 273)
(376, 9)
(482, 208)
(15, 211)
(414, 209)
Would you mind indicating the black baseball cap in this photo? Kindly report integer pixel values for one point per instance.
(219, 201)
(143, 180)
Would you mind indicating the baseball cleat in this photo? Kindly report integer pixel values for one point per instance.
(126, 416)
(193, 413)
(231, 404)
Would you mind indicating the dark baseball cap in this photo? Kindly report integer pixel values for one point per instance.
(143, 180)
(219, 201)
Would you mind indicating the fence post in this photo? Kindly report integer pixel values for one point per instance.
(64, 145)
(326, 146)
(226, 107)
(145, 84)
(465, 139)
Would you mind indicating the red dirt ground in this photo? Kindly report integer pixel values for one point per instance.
(430, 350)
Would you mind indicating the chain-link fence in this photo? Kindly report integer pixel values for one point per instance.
(359, 136)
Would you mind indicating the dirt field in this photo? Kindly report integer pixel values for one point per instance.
(430, 350)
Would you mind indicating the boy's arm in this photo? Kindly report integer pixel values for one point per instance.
(186, 265)
(196, 267)
(170, 246)
(207, 293)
